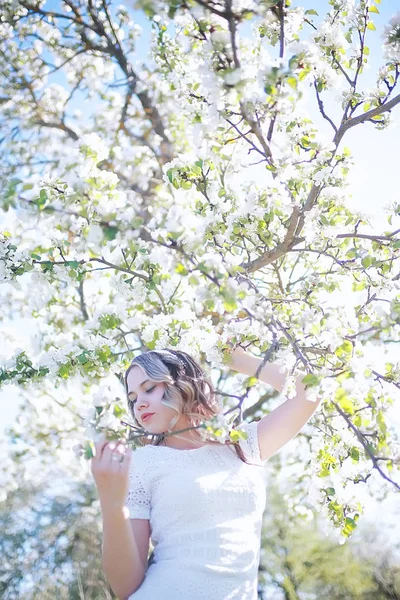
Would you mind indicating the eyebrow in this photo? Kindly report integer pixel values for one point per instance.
(141, 385)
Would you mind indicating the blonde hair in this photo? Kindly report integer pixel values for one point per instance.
(189, 391)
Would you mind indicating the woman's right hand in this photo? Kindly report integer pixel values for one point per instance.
(111, 476)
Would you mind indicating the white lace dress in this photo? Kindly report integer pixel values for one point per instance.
(205, 508)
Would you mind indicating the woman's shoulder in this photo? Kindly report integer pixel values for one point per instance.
(141, 452)
(143, 461)
(148, 452)
(250, 444)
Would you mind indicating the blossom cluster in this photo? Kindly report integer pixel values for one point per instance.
(199, 200)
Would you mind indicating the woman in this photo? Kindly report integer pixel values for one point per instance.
(199, 501)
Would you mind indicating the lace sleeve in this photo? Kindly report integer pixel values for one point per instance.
(138, 497)
(250, 446)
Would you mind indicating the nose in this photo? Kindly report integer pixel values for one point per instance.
(141, 403)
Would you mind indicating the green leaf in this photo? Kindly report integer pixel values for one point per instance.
(355, 453)
(292, 81)
(324, 473)
(348, 37)
(324, 220)
(236, 435)
(104, 352)
(352, 253)
(47, 265)
(74, 264)
(209, 304)
(137, 222)
(118, 411)
(89, 450)
(250, 382)
(345, 348)
(350, 523)
(110, 233)
(366, 262)
(373, 9)
(311, 11)
(347, 405)
(230, 304)
(64, 371)
(181, 269)
(303, 74)
(310, 379)
(358, 287)
(371, 26)
(82, 358)
(396, 245)
(380, 419)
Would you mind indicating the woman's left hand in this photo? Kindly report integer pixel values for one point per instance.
(234, 352)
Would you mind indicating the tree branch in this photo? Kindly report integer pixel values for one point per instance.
(321, 108)
(365, 444)
(374, 112)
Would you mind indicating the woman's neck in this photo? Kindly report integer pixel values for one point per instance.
(183, 441)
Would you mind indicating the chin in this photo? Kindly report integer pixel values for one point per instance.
(157, 432)
(153, 430)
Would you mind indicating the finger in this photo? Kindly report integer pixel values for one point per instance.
(125, 464)
(110, 449)
(117, 444)
(119, 450)
(122, 452)
(99, 446)
(117, 459)
(103, 448)
(116, 451)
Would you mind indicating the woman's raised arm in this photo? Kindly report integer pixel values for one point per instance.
(284, 423)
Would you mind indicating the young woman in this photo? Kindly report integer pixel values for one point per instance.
(199, 501)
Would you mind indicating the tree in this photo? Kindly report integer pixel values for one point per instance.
(302, 562)
(50, 541)
(134, 223)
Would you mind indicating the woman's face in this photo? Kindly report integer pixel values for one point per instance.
(146, 396)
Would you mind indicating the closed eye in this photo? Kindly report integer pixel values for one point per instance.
(147, 392)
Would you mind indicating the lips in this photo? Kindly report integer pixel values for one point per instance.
(147, 416)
